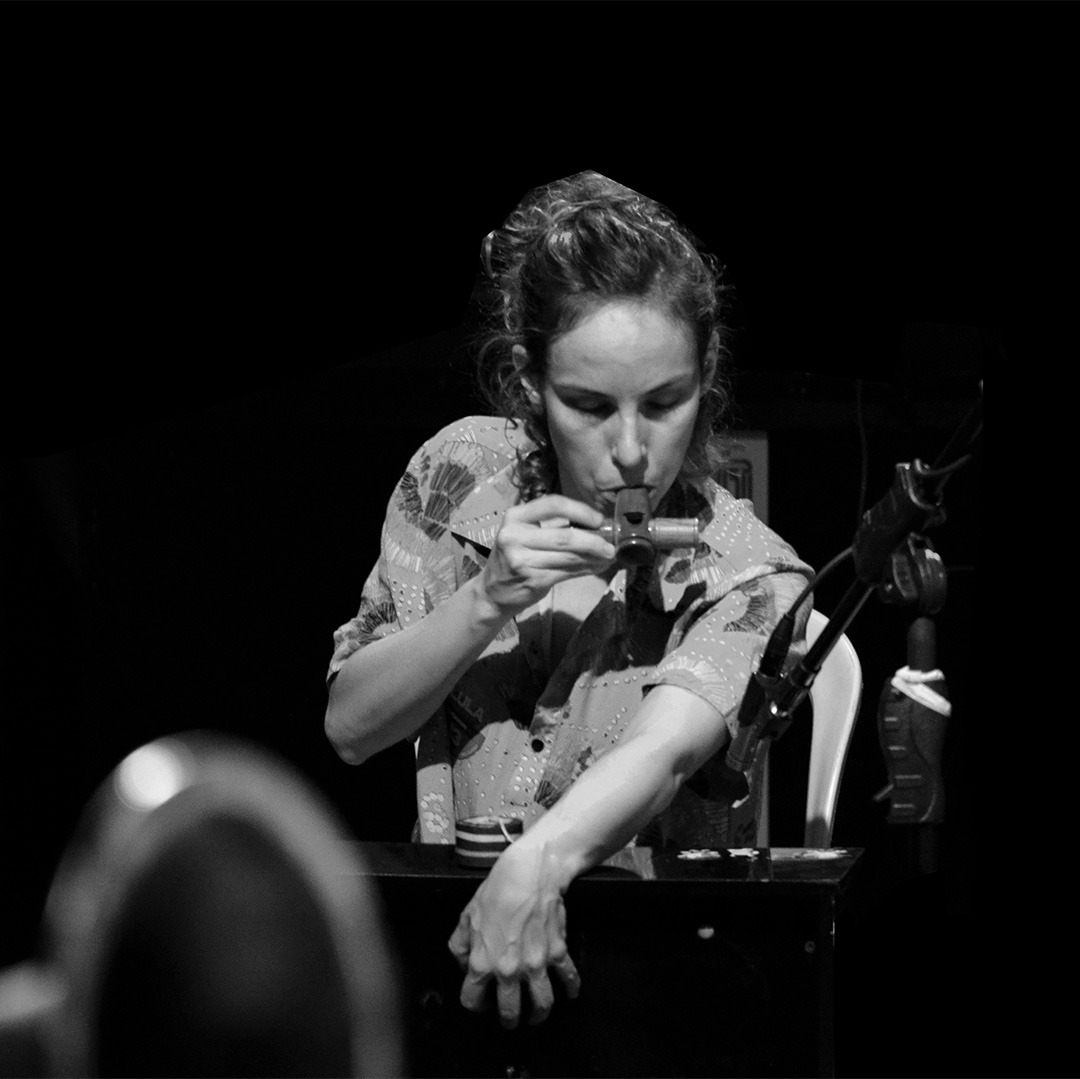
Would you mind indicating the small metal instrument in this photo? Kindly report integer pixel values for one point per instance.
(637, 536)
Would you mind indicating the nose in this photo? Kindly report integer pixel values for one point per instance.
(629, 446)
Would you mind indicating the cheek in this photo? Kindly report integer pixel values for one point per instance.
(569, 435)
(688, 430)
(576, 446)
(679, 433)
(670, 446)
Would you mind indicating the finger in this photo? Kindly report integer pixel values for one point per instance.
(568, 974)
(549, 506)
(508, 994)
(580, 541)
(543, 998)
(474, 991)
(460, 942)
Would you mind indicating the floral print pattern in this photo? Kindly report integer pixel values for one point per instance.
(517, 729)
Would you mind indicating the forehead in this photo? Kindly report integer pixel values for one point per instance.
(623, 340)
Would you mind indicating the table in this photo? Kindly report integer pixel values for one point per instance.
(693, 963)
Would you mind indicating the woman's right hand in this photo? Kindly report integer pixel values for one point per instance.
(541, 543)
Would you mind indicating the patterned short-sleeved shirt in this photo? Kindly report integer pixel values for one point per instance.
(517, 729)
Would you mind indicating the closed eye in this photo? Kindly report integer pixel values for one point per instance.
(604, 408)
(600, 407)
(592, 408)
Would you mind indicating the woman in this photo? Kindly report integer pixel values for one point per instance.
(542, 680)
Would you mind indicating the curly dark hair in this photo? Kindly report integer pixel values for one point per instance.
(571, 243)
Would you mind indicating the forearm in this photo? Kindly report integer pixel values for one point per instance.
(389, 688)
(673, 735)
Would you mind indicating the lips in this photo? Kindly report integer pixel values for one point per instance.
(608, 495)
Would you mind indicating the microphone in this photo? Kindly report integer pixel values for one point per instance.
(755, 713)
(757, 718)
(890, 557)
(771, 696)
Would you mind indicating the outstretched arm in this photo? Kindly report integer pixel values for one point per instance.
(513, 930)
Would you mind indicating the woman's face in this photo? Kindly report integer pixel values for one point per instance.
(620, 393)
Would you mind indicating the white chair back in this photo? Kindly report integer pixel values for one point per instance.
(834, 699)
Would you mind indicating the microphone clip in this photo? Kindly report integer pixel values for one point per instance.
(907, 507)
(761, 716)
(915, 576)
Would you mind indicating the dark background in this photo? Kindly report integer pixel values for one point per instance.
(236, 312)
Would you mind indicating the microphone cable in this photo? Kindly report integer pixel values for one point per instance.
(776, 651)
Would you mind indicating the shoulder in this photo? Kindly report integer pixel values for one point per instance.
(726, 510)
(489, 442)
(461, 478)
(737, 535)
(494, 433)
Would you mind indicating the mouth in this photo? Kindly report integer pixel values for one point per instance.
(608, 496)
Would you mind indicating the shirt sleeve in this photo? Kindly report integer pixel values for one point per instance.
(720, 651)
(415, 570)
(749, 581)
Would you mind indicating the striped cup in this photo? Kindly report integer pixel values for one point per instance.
(480, 840)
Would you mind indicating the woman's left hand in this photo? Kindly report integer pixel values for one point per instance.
(512, 931)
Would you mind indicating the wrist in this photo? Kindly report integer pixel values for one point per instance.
(546, 856)
(486, 612)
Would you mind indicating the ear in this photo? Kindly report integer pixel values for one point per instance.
(521, 366)
(708, 366)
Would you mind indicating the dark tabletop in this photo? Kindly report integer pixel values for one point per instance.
(781, 870)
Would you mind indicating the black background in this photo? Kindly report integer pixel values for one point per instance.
(239, 297)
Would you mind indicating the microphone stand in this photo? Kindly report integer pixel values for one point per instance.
(892, 558)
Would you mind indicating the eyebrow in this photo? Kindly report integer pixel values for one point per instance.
(675, 383)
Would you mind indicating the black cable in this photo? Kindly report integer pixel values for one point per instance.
(780, 642)
(964, 436)
(946, 471)
(864, 453)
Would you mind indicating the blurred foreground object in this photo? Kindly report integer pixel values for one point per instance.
(206, 920)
